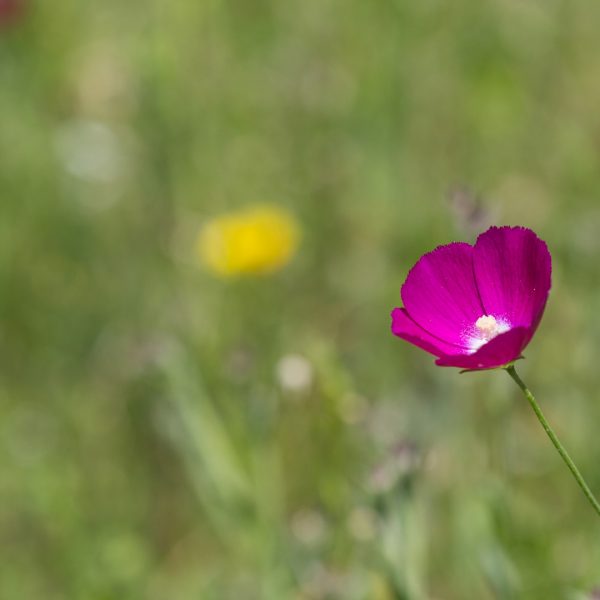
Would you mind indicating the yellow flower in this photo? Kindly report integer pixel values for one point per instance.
(253, 241)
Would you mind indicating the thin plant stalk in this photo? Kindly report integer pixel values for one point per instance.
(553, 437)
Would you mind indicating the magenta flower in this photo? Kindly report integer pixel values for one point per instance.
(476, 307)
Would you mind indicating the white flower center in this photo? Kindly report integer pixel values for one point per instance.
(485, 329)
(488, 327)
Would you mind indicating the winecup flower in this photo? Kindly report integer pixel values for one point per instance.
(476, 307)
(253, 241)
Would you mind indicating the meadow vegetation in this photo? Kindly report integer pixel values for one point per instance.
(170, 431)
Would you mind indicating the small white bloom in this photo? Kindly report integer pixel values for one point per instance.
(90, 150)
(295, 373)
(309, 527)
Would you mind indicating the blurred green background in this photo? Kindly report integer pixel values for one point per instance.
(166, 434)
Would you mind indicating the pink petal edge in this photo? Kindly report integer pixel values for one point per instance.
(404, 327)
(440, 293)
(498, 352)
(513, 270)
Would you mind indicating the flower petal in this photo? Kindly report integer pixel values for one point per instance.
(513, 272)
(404, 327)
(498, 352)
(440, 293)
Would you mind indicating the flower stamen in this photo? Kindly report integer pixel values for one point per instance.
(488, 327)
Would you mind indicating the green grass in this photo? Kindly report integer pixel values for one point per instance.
(147, 448)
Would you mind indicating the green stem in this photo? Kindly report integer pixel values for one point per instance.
(561, 450)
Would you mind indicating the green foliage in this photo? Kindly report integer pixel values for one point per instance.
(165, 434)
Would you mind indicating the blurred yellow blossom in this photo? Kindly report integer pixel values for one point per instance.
(252, 241)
